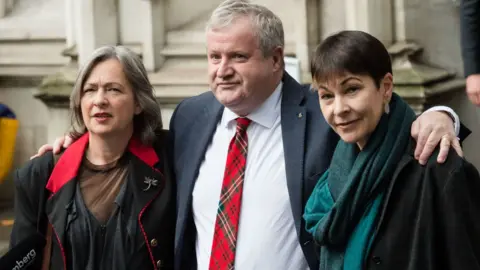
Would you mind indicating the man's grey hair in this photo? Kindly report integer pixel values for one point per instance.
(266, 25)
(149, 121)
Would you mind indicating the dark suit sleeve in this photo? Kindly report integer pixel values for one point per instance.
(30, 197)
(470, 36)
(25, 213)
(177, 122)
(459, 216)
(464, 132)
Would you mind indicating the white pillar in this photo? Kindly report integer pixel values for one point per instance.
(70, 22)
(371, 16)
(96, 26)
(399, 21)
(58, 122)
(307, 35)
(155, 33)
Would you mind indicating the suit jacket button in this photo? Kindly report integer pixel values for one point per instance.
(159, 263)
(153, 242)
(376, 260)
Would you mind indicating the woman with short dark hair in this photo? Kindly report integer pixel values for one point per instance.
(376, 207)
(109, 200)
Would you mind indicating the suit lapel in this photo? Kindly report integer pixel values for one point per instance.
(202, 134)
(294, 117)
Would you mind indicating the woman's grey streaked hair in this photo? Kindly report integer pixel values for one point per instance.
(267, 26)
(149, 121)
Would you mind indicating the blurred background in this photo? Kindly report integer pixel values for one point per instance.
(42, 43)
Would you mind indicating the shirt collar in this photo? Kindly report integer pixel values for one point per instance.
(264, 115)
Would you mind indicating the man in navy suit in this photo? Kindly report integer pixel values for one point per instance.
(248, 153)
(288, 146)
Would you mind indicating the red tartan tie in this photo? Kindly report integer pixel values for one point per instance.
(228, 214)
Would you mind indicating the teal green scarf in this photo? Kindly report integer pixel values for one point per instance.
(342, 209)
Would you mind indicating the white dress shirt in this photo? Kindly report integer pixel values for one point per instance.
(267, 238)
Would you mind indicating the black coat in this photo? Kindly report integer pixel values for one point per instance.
(154, 207)
(430, 217)
(470, 36)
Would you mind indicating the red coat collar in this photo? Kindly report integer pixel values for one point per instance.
(67, 166)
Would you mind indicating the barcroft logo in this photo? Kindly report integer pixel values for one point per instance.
(26, 261)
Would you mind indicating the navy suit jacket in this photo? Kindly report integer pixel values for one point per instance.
(308, 144)
(470, 36)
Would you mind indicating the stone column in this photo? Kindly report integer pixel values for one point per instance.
(70, 22)
(420, 84)
(155, 34)
(371, 16)
(399, 20)
(307, 33)
(96, 25)
(54, 91)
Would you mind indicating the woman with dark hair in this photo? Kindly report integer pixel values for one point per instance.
(376, 207)
(108, 202)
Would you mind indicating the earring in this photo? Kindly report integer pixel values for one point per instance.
(387, 108)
